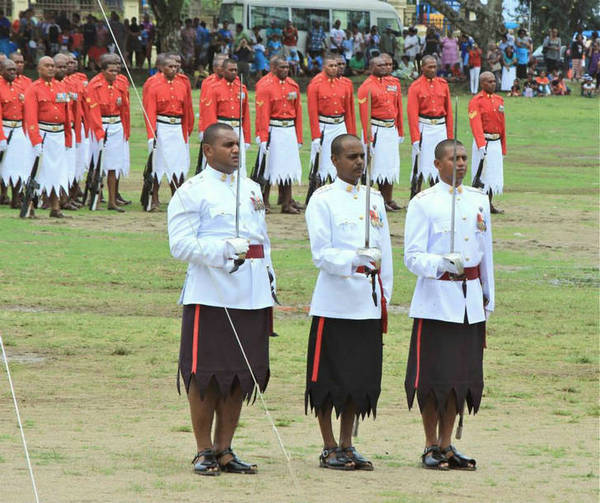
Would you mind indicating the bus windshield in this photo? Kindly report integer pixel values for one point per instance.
(231, 13)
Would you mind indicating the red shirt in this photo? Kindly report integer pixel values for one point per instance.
(75, 89)
(329, 97)
(188, 110)
(486, 115)
(278, 99)
(428, 97)
(475, 57)
(12, 98)
(23, 81)
(290, 36)
(47, 102)
(222, 99)
(206, 83)
(386, 101)
(105, 99)
(167, 97)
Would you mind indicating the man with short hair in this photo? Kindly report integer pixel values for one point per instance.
(331, 113)
(21, 78)
(348, 306)
(336, 37)
(289, 39)
(429, 112)
(221, 103)
(227, 301)
(387, 128)
(279, 128)
(453, 298)
(487, 121)
(48, 121)
(18, 155)
(108, 104)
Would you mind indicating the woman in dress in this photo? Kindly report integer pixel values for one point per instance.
(449, 51)
(509, 68)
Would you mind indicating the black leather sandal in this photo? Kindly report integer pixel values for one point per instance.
(338, 462)
(360, 462)
(235, 465)
(458, 461)
(205, 463)
(433, 459)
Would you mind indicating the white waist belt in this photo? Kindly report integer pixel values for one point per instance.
(432, 122)
(282, 122)
(329, 119)
(226, 120)
(383, 122)
(168, 119)
(111, 119)
(51, 128)
(491, 136)
(9, 123)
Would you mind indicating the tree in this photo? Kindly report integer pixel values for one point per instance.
(168, 15)
(488, 25)
(565, 15)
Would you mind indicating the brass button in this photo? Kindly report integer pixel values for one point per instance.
(467, 238)
(361, 217)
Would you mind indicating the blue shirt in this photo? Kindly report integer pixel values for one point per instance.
(202, 36)
(317, 38)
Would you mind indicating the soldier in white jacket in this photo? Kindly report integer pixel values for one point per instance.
(453, 297)
(221, 304)
(348, 304)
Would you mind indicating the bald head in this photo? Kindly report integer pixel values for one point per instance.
(487, 81)
(46, 68)
(8, 70)
(378, 66)
(60, 63)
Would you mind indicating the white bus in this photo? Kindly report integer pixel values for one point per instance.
(364, 13)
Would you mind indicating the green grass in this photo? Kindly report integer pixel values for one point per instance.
(95, 296)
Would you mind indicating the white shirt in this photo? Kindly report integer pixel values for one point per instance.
(427, 238)
(411, 46)
(201, 216)
(338, 36)
(335, 217)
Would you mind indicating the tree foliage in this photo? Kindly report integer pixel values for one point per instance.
(488, 25)
(167, 14)
(565, 15)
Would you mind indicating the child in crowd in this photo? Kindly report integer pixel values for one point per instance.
(558, 86)
(274, 46)
(515, 90)
(543, 84)
(588, 87)
(294, 61)
(530, 88)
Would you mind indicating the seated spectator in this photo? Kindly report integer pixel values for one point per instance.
(373, 49)
(456, 75)
(314, 62)
(588, 87)
(406, 69)
(274, 46)
(515, 90)
(530, 88)
(200, 73)
(543, 84)
(294, 61)
(558, 86)
(357, 63)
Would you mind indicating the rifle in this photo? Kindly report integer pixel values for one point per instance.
(88, 180)
(313, 174)
(200, 159)
(29, 190)
(12, 130)
(477, 183)
(148, 185)
(96, 185)
(260, 166)
(414, 180)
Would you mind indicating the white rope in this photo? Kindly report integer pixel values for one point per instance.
(216, 283)
(12, 390)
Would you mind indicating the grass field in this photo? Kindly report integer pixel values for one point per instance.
(89, 317)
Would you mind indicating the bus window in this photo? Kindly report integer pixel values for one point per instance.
(350, 17)
(384, 22)
(304, 18)
(264, 16)
(231, 13)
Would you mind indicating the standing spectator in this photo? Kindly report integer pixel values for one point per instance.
(449, 46)
(432, 43)
(336, 38)
(465, 45)
(372, 49)
(474, 67)
(372, 39)
(494, 61)
(316, 39)
(202, 41)
(294, 61)
(147, 39)
(6, 46)
(358, 41)
(577, 49)
(412, 45)
(505, 42)
(509, 68)
(244, 54)
(240, 35)
(261, 64)
(76, 42)
(52, 32)
(523, 47)
(551, 50)
(4, 21)
(188, 40)
(348, 46)
(135, 43)
(89, 35)
(290, 39)
(594, 68)
(387, 42)
(589, 44)
(118, 28)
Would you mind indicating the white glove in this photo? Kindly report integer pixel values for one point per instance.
(257, 140)
(201, 135)
(236, 248)
(299, 146)
(368, 257)
(416, 148)
(247, 146)
(400, 140)
(150, 145)
(453, 263)
(3, 145)
(482, 151)
(37, 149)
(263, 146)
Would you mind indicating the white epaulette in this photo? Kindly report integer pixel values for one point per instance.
(425, 192)
(323, 189)
(474, 189)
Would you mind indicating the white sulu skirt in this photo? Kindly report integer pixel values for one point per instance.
(385, 166)
(326, 167)
(83, 156)
(431, 135)
(242, 147)
(172, 157)
(492, 174)
(53, 171)
(18, 157)
(508, 78)
(72, 160)
(116, 150)
(284, 158)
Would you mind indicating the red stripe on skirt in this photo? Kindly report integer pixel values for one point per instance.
(195, 341)
(315, 372)
(418, 353)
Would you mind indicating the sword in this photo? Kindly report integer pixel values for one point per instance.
(12, 130)
(241, 259)
(477, 183)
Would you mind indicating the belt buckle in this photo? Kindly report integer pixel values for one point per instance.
(13, 124)
(434, 121)
(113, 120)
(54, 128)
(172, 120)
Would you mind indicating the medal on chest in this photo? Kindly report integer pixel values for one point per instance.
(481, 225)
(119, 101)
(376, 217)
(292, 95)
(501, 109)
(391, 89)
(257, 202)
